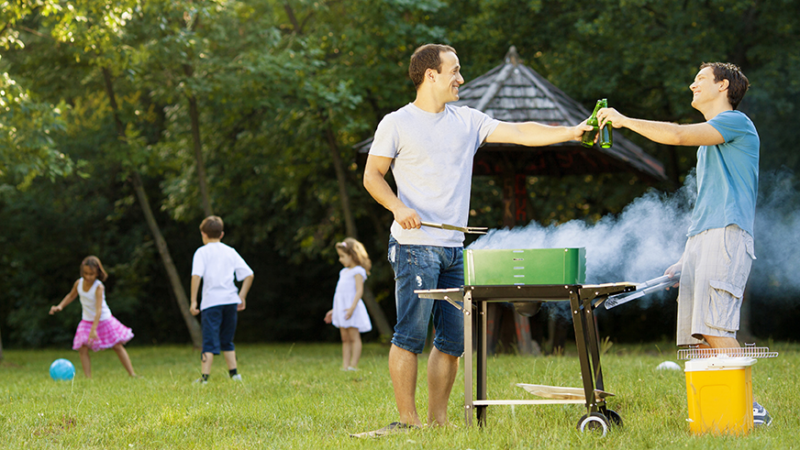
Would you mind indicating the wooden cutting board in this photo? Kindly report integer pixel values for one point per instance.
(561, 393)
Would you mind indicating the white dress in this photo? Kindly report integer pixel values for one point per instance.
(343, 299)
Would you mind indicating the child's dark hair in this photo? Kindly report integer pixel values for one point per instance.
(212, 226)
(96, 265)
(355, 250)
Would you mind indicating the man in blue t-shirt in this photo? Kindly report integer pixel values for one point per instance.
(429, 146)
(719, 251)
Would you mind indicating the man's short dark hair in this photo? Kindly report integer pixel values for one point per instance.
(212, 226)
(424, 58)
(737, 82)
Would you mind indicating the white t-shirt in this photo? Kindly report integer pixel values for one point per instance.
(217, 263)
(89, 301)
(433, 155)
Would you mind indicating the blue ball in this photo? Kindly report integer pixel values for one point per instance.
(62, 369)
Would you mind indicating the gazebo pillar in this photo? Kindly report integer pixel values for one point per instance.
(515, 199)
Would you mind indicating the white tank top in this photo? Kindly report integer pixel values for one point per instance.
(88, 301)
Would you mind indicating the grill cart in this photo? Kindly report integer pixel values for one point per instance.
(525, 278)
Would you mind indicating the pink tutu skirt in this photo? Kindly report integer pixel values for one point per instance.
(110, 332)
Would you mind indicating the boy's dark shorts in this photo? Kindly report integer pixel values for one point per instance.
(219, 326)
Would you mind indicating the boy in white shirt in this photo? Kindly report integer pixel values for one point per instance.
(215, 264)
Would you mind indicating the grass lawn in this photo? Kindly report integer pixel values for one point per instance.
(295, 397)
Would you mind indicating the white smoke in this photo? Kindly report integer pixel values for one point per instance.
(637, 245)
(777, 236)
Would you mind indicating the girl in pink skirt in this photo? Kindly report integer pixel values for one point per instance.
(98, 330)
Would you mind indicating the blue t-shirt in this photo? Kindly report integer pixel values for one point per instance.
(727, 176)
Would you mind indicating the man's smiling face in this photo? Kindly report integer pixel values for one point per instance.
(449, 78)
(704, 89)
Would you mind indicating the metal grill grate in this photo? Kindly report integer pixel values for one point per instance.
(751, 352)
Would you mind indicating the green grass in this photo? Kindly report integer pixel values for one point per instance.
(295, 397)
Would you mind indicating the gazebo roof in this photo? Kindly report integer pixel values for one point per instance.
(513, 92)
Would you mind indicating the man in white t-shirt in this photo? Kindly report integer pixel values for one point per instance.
(215, 264)
(430, 145)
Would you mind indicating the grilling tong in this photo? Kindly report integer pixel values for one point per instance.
(649, 286)
(468, 230)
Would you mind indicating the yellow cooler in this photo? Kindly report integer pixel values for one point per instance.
(720, 395)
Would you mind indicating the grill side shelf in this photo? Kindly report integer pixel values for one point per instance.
(736, 352)
(452, 295)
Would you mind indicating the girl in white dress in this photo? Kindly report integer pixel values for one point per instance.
(349, 313)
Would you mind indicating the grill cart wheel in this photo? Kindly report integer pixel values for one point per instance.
(613, 418)
(594, 422)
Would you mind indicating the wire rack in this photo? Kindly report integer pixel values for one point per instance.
(751, 352)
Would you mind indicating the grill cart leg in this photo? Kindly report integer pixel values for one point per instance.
(467, 310)
(581, 338)
(481, 369)
(593, 340)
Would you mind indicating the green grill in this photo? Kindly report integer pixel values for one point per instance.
(524, 267)
(527, 277)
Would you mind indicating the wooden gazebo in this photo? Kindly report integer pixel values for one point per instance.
(513, 92)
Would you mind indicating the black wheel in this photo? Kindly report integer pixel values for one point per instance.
(594, 422)
(613, 418)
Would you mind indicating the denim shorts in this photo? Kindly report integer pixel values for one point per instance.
(427, 267)
(219, 326)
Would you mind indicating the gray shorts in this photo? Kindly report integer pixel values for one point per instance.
(716, 264)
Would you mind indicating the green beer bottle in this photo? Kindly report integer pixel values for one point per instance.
(607, 135)
(588, 136)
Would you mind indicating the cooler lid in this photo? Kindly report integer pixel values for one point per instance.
(719, 363)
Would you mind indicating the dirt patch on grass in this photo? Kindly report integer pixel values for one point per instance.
(65, 423)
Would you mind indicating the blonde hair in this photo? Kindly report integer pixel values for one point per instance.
(355, 250)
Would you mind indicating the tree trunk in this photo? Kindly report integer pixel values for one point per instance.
(161, 244)
(175, 280)
(378, 316)
(194, 115)
(341, 179)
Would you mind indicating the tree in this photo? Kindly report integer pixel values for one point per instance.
(272, 96)
(27, 126)
(96, 31)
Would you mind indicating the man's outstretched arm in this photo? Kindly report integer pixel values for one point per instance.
(535, 134)
(663, 132)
